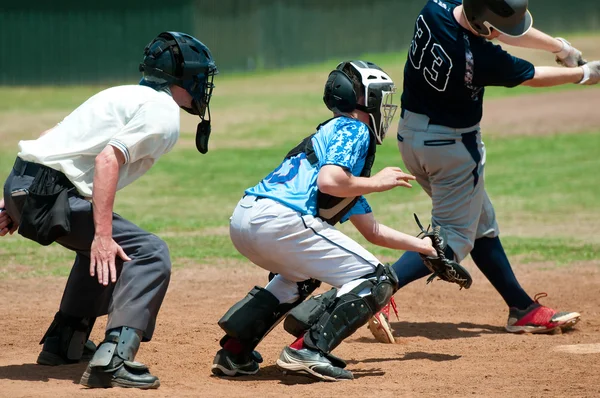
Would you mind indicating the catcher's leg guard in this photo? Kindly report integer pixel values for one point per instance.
(253, 317)
(247, 323)
(351, 310)
(301, 318)
(113, 365)
(66, 341)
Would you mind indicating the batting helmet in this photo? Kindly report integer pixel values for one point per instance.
(353, 80)
(509, 17)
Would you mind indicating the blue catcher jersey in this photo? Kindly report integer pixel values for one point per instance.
(342, 142)
(448, 67)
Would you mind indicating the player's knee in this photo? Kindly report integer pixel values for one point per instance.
(157, 251)
(301, 318)
(347, 313)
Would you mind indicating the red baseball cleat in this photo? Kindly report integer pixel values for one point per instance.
(540, 319)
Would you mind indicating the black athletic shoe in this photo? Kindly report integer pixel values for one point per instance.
(311, 363)
(50, 356)
(120, 373)
(228, 364)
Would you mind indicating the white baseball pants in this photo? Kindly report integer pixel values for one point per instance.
(296, 247)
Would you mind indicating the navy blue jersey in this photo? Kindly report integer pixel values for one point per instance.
(448, 67)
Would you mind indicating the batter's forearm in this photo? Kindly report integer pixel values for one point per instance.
(549, 76)
(535, 39)
(106, 177)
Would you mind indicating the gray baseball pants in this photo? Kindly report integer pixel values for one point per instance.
(449, 165)
(135, 299)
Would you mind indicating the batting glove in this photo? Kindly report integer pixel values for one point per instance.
(569, 56)
(591, 73)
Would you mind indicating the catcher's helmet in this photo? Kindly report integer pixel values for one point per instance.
(353, 80)
(180, 59)
(509, 17)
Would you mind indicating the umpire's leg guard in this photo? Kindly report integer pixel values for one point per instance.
(66, 341)
(348, 312)
(113, 363)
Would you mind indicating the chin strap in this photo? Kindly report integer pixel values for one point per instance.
(202, 136)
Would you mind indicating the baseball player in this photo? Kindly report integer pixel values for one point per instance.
(62, 188)
(450, 62)
(285, 224)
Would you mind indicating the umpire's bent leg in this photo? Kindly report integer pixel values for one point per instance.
(135, 299)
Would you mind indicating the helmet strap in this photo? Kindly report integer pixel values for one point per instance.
(203, 134)
(364, 108)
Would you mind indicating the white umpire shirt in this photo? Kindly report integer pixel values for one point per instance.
(137, 120)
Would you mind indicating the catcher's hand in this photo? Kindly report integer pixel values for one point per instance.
(569, 56)
(442, 267)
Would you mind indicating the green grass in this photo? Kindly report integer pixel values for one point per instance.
(189, 198)
(46, 98)
(558, 251)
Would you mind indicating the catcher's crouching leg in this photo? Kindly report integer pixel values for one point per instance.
(246, 323)
(330, 320)
(66, 341)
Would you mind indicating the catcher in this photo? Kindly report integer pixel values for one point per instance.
(285, 224)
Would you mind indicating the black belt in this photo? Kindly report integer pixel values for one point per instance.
(23, 167)
(431, 121)
(255, 197)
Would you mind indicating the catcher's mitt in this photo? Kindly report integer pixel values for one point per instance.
(442, 267)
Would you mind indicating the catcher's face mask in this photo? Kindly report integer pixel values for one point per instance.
(381, 118)
(378, 95)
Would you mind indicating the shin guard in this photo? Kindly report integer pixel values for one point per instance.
(65, 339)
(351, 310)
(253, 317)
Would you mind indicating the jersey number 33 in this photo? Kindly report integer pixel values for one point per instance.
(430, 57)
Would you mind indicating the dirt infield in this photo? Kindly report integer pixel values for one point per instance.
(449, 342)
(550, 113)
(458, 348)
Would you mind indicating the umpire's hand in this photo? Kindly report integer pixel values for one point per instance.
(7, 226)
(103, 256)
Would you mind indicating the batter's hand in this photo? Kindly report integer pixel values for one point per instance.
(569, 56)
(7, 226)
(103, 256)
(591, 73)
(392, 177)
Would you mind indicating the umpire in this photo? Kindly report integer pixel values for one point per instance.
(62, 189)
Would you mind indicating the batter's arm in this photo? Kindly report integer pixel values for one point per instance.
(384, 236)
(566, 54)
(535, 39)
(548, 76)
(337, 181)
